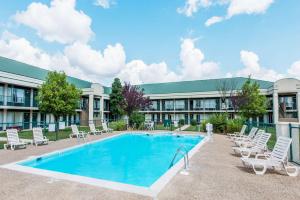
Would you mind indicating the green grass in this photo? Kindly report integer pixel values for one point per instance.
(1, 144)
(161, 127)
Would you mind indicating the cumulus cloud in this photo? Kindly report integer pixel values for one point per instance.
(193, 62)
(108, 63)
(294, 70)
(213, 20)
(59, 22)
(252, 67)
(192, 6)
(104, 3)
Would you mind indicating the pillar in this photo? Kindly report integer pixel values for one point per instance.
(275, 107)
(5, 95)
(31, 97)
(102, 109)
(4, 118)
(298, 105)
(30, 118)
(91, 108)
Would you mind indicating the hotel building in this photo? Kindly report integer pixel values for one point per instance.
(186, 100)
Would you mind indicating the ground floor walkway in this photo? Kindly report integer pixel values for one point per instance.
(214, 174)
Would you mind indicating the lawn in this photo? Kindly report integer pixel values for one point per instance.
(193, 128)
(62, 134)
(162, 127)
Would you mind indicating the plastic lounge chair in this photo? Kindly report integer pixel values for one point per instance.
(238, 134)
(248, 137)
(249, 143)
(106, 129)
(94, 131)
(260, 147)
(77, 133)
(277, 159)
(13, 140)
(38, 137)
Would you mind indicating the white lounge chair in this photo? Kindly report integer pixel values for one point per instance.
(251, 142)
(260, 147)
(38, 137)
(277, 159)
(238, 134)
(248, 137)
(13, 140)
(94, 131)
(106, 129)
(77, 133)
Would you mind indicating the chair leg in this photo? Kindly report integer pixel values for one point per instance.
(295, 170)
(259, 172)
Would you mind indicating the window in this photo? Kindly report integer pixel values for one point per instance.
(179, 104)
(169, 105)
(154, 105)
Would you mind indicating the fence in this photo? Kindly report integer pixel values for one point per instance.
(294, 131)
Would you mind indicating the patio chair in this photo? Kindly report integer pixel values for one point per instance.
(259, 147)
(13, 140)
(277, 159)
(106, 129)
(76, 133)
(38, 137)
(94, 131)
(248, 137)
(251, 142)
(238, 134)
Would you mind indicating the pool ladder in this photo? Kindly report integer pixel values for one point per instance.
(183, 151)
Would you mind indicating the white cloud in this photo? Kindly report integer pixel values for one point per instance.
(294, 70)
(137, 72)
(193, 64)
(104, 3)
(252, 67)
(59, 22)
(237, 7)
(213, 20)
(192, 6)
(108, 63)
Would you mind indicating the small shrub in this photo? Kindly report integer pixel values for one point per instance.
(203, 125)
(234, 125)
(219, 122)
(193, 122)
(181, 122)
(136, 119)
(118, 125)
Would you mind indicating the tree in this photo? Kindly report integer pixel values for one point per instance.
(134, 99)
(227, 90)
(116, 99)
(58, 97)
(251, 102)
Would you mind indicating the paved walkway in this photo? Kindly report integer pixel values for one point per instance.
(214, 174)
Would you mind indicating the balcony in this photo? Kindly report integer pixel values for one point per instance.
(18, 101)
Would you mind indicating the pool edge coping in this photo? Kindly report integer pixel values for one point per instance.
(151, 191)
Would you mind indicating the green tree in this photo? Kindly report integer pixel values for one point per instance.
(251, 102)
(58, 97)
(116, 99)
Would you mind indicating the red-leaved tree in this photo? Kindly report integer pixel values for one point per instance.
(134, 99)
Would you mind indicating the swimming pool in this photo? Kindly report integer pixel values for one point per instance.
(138, 160)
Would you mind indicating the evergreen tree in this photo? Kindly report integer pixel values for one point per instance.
(116, 99)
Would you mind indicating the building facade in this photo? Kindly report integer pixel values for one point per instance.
(188, 100)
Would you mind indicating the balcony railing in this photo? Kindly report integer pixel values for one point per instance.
(18, 101)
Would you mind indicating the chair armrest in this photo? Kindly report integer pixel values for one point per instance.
(261, 156)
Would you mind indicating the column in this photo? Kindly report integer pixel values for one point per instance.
(298, 105)
(102, 109)
(5, 95)
(31, 97)
(39, 118)
(4, 118)
(30, 118)
(91, 108)
(275, 107)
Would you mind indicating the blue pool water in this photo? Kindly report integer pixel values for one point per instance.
(136, 159)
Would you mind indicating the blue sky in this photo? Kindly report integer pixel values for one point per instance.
(155, 41)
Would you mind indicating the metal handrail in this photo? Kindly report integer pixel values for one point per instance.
(185, 156)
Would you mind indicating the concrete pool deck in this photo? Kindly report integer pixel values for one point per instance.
(214, 174)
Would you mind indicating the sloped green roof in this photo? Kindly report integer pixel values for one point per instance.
(197, 85)
(19, 68)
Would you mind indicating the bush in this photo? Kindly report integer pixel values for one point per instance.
(181, 122)
(234, 125)
(219, 122)
(136, 119)
(118, 125)
(193, 122)
(203, 125)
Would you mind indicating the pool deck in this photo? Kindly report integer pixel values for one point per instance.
(214, 174)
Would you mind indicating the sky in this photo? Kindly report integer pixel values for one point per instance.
(142, 41)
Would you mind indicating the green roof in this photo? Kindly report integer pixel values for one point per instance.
(19, 68)
(197, 85)
(107, 90)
